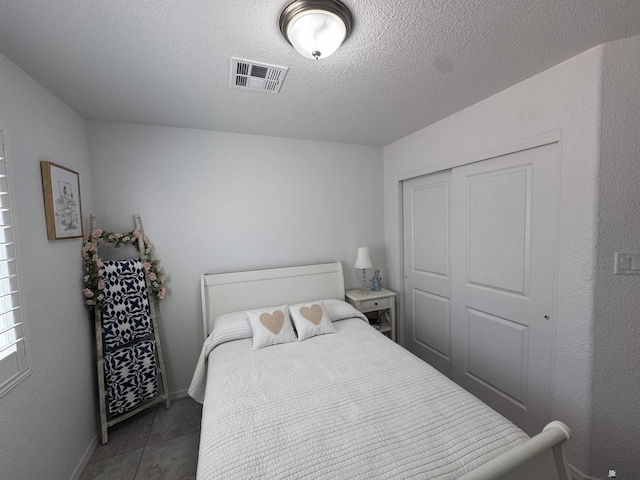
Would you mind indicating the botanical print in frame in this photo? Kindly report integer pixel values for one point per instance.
(62, 205)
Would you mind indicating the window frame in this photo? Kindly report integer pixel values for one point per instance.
(20, 356)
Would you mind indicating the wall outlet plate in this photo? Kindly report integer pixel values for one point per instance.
(627, 264)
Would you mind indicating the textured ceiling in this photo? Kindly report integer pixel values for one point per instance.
(406, 64)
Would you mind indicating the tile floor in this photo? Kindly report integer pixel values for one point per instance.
(155, 444)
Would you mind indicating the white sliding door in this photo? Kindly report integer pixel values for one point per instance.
(480, 278)
(504, 271)
(427, 268)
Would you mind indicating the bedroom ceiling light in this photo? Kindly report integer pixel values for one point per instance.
(363, 261)
(315, 28)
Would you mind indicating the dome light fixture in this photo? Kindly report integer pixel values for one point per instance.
(315, 28)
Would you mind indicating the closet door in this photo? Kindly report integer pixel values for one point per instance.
(427, 287)
(504, 236)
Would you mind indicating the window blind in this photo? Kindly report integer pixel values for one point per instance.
(13, 357)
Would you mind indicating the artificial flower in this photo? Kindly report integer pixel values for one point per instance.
(94, 266)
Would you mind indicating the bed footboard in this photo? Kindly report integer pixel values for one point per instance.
(528, 455)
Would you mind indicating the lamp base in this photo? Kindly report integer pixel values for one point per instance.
(364, 290)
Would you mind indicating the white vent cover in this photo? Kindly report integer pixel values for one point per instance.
(256, 76)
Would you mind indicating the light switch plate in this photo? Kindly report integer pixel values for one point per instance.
(627, 264)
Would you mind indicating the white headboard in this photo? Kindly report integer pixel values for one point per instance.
(230, 292)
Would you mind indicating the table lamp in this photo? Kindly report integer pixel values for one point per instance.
(363, 261)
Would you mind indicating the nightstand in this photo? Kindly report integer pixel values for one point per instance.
(383, 301)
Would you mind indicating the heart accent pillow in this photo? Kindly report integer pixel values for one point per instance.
(313, 313)
(273, 321)
(271, 326)
(310, 319)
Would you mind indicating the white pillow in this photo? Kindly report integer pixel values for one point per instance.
(340, 310)
(271, 326)
(310, 319)
(233, 321)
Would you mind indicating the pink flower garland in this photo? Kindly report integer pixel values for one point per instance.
(94, 267)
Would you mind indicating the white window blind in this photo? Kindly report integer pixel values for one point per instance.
(13, 357)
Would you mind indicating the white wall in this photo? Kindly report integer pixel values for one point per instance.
(565, 98)
(616, 389)
(48, 420)
(215, 202)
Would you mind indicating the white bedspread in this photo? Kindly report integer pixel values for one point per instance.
(348, 405)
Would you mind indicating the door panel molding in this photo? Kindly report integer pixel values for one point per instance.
(431, 206)
(433, 331)
(498, 355)
(489, 263)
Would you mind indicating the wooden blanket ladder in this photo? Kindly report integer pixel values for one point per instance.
(149, 345)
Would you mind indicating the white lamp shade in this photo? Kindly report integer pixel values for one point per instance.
(363, 260)
(316, 31)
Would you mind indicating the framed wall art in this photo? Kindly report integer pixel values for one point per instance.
(62, 203)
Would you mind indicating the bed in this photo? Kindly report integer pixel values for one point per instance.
(349, 404)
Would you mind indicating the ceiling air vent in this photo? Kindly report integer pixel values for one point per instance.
(256, 76)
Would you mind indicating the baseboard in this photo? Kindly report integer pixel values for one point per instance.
(180, 394)
(578, 475)
(88, 453)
